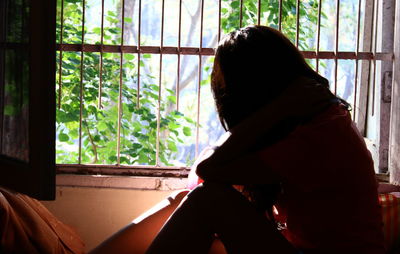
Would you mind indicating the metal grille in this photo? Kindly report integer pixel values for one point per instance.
(346, 49)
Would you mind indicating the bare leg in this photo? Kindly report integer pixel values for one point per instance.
(216, 208)
(136, 237)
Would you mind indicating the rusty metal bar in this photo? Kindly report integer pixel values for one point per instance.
(280, 15)
(357, 52)
(199, 80)
(178, 69)
(259, 13)
(297, 22)
(380, 56)
(159, 87)
(336, 43)
(219, 20)
(81, 85)
(135, 49)
(61, 56)
(202, 23)
(318, 34)
(241, 14)
(120, 86)
(101, 55)
(138, 54)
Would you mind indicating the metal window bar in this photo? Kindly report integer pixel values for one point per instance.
(159, 87)
(60, 55)
(178, 69)
(200, 75)
(81, 83)
(318, 34)
(345, 55)
(219, 19)
(336, 44)
(120, 85)
(355, 110)
(280, 15)
(297, 22)
(138, 53)
(241, 14)
(101, 54)
(371, 56)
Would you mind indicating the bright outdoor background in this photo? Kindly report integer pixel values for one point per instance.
(92, 127)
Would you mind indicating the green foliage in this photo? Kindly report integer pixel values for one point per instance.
(99, 127)
(269, 15)
(99, 115)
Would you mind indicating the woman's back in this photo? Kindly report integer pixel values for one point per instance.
(329, 193)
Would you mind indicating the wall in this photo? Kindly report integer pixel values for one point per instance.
(96, 213)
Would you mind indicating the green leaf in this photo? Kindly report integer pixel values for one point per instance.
(96, 138)
(97, 30)
(123, 159)
(187, 131)
(63, 137)
(136, 146)
(235, 4)
(102, 126)
(129, 57)
(171, 99)
(128, 20)
(111, 13)
(143, 159)
(172, 146)
(113, 159)
(154, 87)
(10, 110)
(173, 125)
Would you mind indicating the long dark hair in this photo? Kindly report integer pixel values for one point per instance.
(253, 66)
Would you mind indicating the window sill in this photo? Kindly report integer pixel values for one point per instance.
(122, 177)
(163, 179)
(121, 182)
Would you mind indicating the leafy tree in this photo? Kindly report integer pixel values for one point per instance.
(100, 124)
(138, 126)
(269, 15)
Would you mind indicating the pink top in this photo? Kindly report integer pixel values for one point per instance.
(338, 212)
(329, 200)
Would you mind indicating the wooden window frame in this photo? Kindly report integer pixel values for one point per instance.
(37, 177)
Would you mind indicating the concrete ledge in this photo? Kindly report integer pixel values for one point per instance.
(121, 182)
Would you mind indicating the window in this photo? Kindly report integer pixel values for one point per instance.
(27, 71)
(132, 75)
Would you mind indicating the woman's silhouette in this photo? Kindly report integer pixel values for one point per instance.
(294, 176)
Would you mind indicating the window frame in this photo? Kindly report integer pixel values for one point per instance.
(367, 54)
(37, 176)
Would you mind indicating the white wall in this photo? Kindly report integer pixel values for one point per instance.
(96, 213)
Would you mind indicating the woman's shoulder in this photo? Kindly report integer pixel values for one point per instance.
(336, 113)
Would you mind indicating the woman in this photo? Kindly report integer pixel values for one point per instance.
(294, 176)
